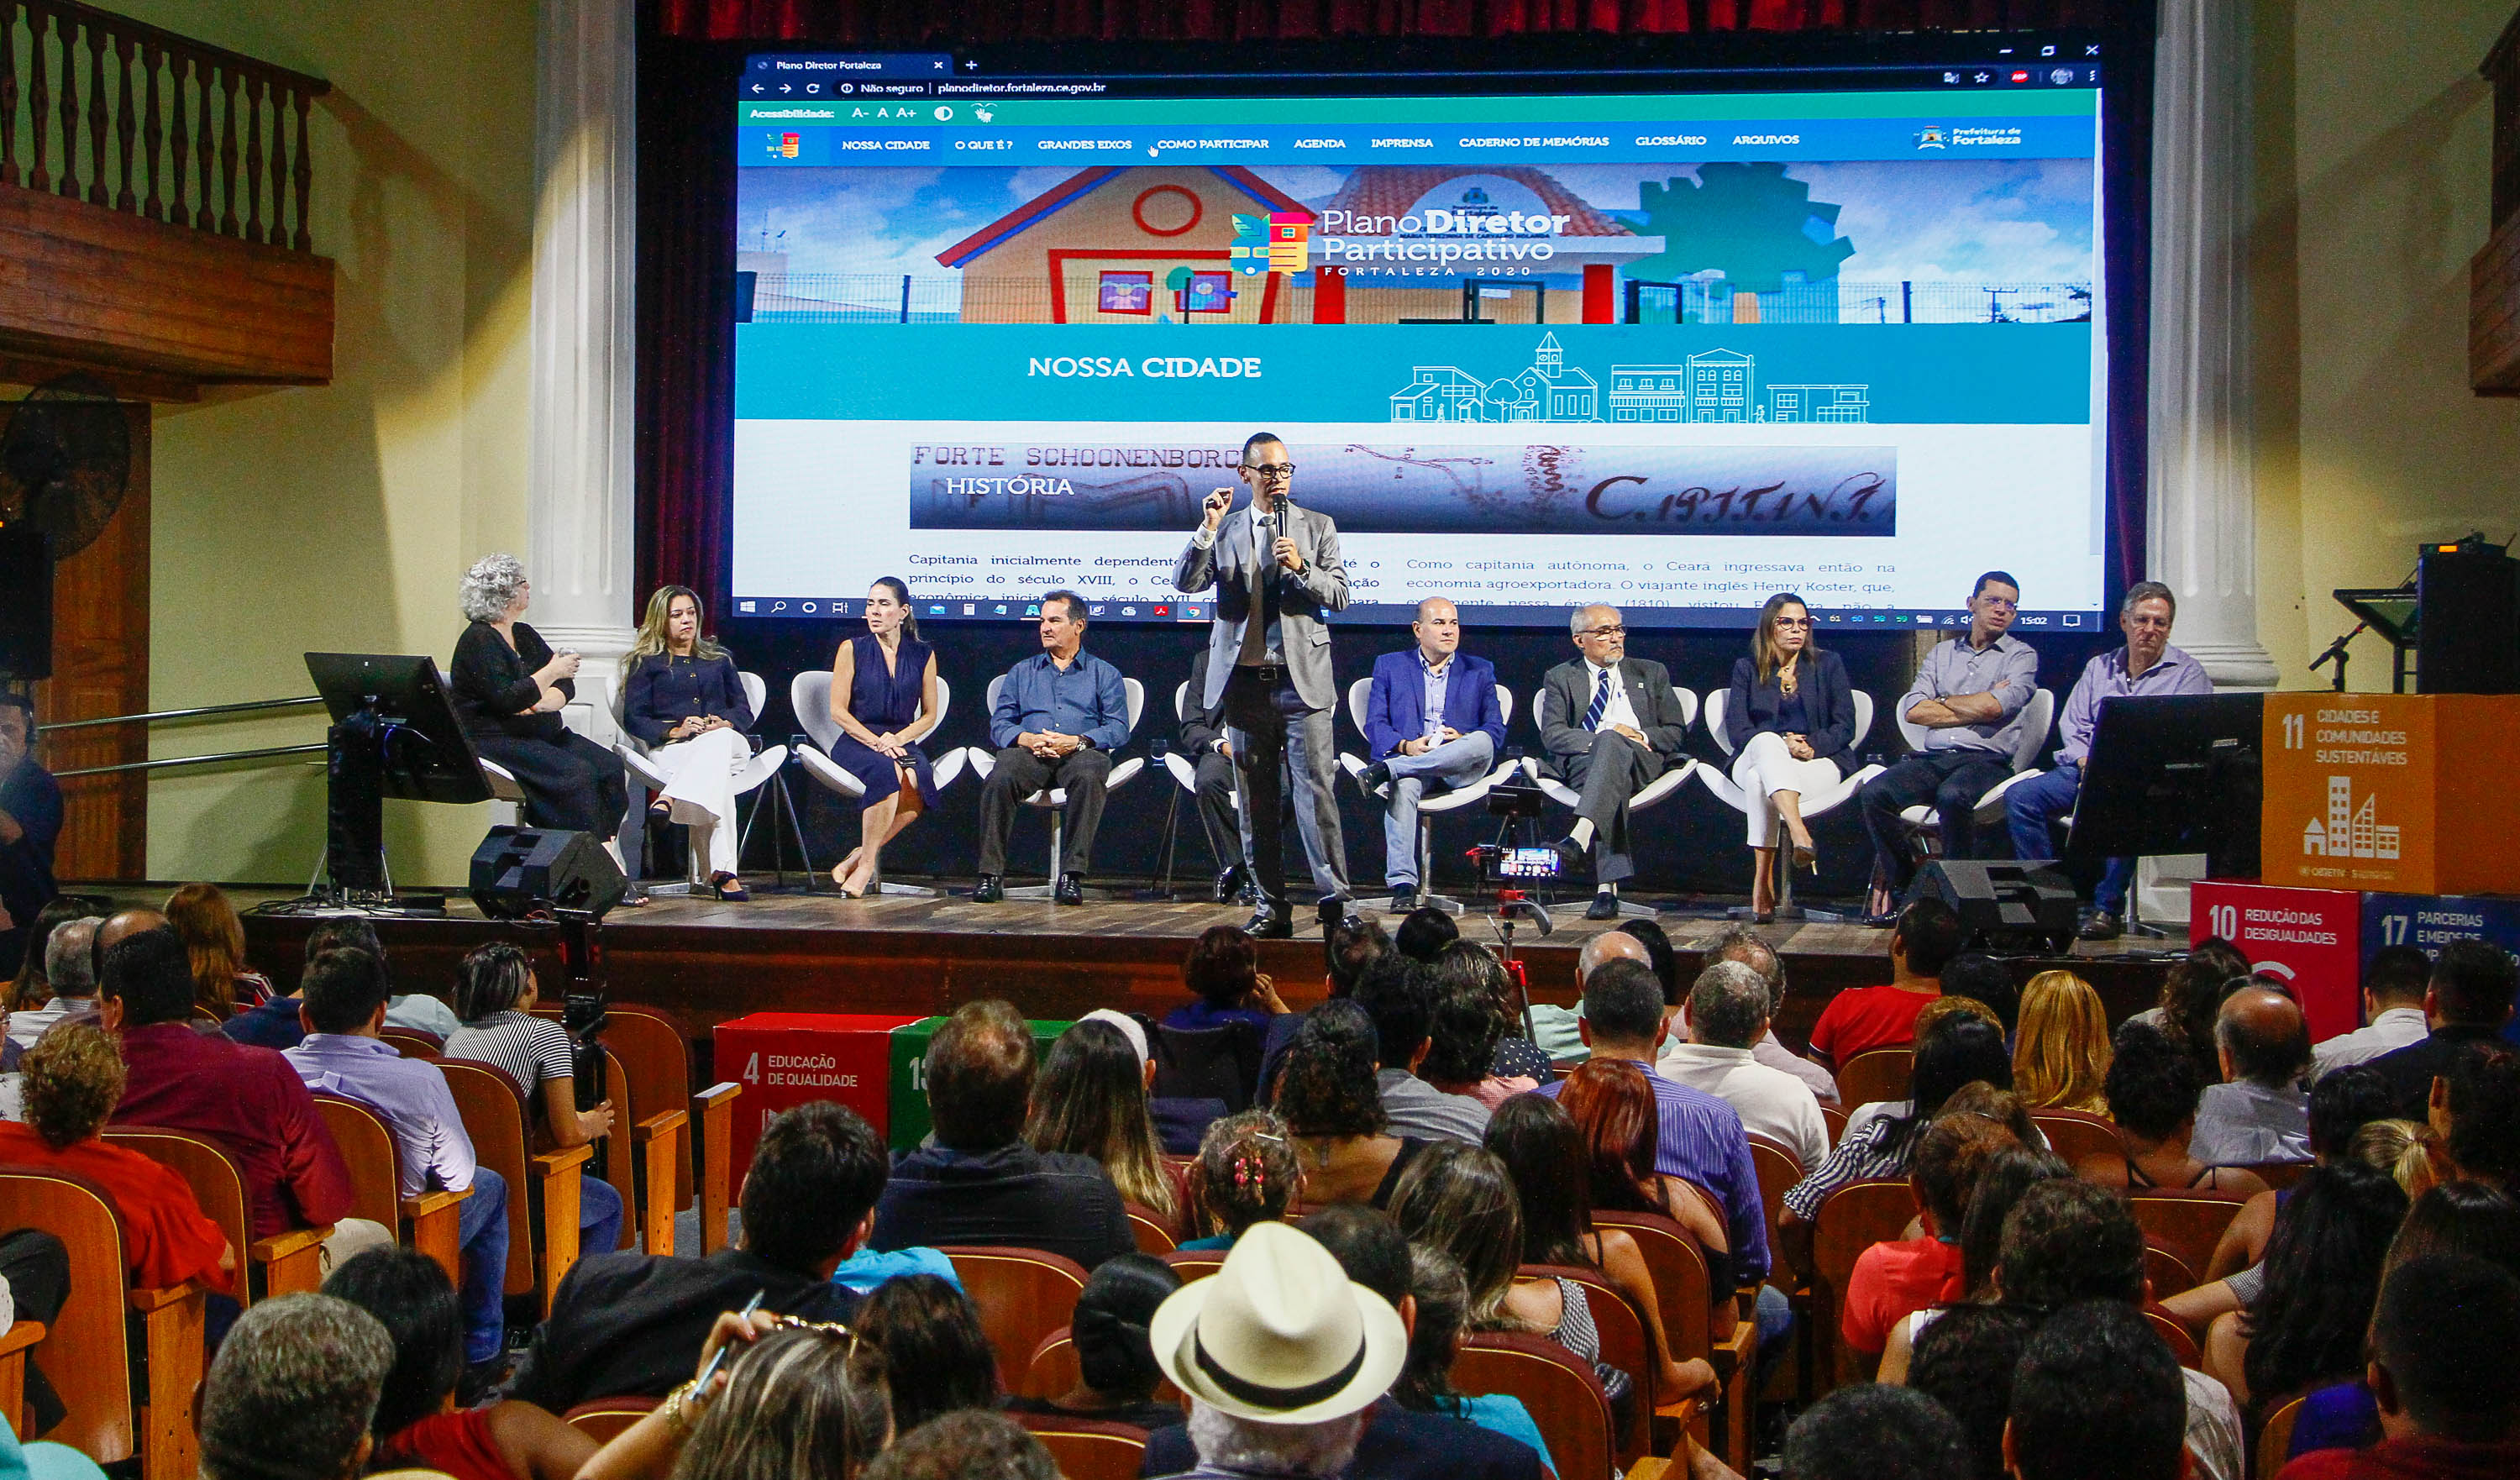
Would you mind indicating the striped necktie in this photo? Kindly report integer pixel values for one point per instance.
(1600, 698)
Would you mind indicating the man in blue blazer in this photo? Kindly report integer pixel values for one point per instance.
(1432, 716)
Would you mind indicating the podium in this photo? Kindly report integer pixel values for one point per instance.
(2395, 793)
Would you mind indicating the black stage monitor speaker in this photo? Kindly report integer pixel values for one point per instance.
(26, 603)
(517, 871)
(2467, 621)
(2001, 904)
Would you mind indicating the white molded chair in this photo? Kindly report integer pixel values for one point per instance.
(810, 696)
(1358, 693)
(1718, 780)
(647, 781)
(1052, 798)
(1656, 791)
(2036, 718)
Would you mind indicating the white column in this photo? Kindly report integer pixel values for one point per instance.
(581, 497)
(2202, 522)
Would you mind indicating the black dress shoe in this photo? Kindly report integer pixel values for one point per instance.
(1249, 895)
(1336, 913)
(1230, 885)
(1374, 778)
(2102, 926)
(1570, 852)
(989, 891)
(1070, 890)
(1605, 906)
(1403, 899)
(1270, 923)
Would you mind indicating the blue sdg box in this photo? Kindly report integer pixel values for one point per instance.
(2426, 921)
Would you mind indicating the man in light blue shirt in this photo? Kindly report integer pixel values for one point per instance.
(342, 1003)
(2147, 665)
(1968, 696)
(1059, 717)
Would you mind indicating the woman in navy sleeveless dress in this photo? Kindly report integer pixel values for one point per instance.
(883, 698)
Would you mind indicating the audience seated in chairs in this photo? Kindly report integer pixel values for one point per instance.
(934, 1348)
(979, 1182)
(495, 992)
(1349, 949)
(2153, 1091)
(1246, 1174)
(1478, 1047)
(1550, 1169)
(1340, 1284)
(2304, 1327)
(74, 1077)
(1728, 1016)
(2467, 1001)
(1115, 1364)
(215, 940)
(1332, 1106)
(1965, 1364)
(1179, 1119)
(247, 1099)
(2260, 1111)
(630, 1324)
(2393, 1011)
(33, 982)
(1874, 1433)
(1423, 933)
(2475, 1112)
(1699, 1138)
(419, 1424)
(2445, 1368)
(2061, 1057)
(1958, 1050)
(797, 1398)
(1923, 942)
(69, 974)
(1091, 1101)
(965, 1446)
(1894, 1280)
(291, 1392)
(1751, 949)
(1227, 986)
(1398, 995)
(343, 992)
(1977, 975)
(2341, 1105)
(274, 1024)
(2097, 1397)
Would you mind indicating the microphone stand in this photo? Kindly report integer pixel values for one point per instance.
(2336, 650)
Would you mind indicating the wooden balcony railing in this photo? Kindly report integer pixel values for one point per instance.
(106, 110)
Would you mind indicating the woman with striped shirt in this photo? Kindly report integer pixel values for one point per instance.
(494, 994)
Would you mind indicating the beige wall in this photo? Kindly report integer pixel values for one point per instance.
(2374, 140)
(340, 518)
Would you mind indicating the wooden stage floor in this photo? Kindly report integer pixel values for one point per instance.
(702, 962)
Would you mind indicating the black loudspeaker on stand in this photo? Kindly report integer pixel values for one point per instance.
(2001, 904)
(520, 870)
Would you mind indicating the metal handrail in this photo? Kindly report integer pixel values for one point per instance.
(194, 760)
(155, 715)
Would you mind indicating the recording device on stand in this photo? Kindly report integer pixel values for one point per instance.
(582, 1013)
(1512, 864)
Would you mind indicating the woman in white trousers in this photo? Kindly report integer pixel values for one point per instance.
(1792, 720)
(685, 700)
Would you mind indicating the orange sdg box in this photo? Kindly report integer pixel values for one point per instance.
(2403, 793)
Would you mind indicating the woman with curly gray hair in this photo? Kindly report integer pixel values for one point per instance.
(509, 688)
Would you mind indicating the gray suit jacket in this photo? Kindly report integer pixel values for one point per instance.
(1302, 597)
(1569, 691)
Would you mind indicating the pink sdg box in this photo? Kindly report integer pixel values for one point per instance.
(2312, 938)
(784, 1060)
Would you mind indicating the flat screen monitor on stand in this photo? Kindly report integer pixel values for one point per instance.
(393, 735)
(2168, 774)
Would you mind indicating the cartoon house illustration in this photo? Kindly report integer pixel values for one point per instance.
(1820, 403)
(1723, 383)
(1124, 244)
(1648, 394)
(1546, 392)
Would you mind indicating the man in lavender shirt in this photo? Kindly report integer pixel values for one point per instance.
(2147, 665)
(342, 1004)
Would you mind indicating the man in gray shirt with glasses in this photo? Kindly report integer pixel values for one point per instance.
(1968, 696)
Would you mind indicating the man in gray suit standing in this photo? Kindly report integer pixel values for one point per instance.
(1275, 570)
(1611, 724)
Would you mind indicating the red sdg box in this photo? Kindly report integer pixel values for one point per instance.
(2312, 938)
(784, 1060)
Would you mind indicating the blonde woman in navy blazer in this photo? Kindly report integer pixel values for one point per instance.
(1792, 724)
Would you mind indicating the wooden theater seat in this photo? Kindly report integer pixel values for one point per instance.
(1022, 1294)
(284, 1264)
(1153, 1231)
(1564, 1397)
(2184, 1224)
(1875, 1074)
(1088, 1449)
(602, 1419)
(542, 1187)
(85, 1353)
(1195, 1264)
(1684, 1291)
(1626, 1345)
(427, 1223)
(15, 1343)
(414, 1043)
(2078, 1136)
(714, 1110)
(1851, 1220)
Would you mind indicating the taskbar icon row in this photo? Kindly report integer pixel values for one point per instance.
(1131, 610)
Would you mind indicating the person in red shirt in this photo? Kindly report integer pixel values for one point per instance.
(2445, 1368)
(73, 1078)
(1892, 1280)
(1927, 937)
(248, 1100)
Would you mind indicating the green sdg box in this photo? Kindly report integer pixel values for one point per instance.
(908, 1119)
